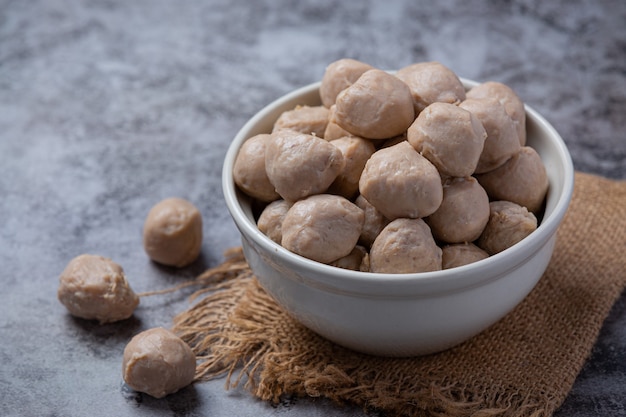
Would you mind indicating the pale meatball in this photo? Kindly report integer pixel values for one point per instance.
(322, 227)
(432, 82)
(333, 130)
(158, 363)
(450, 137)
(271, 219)
(95, 288)
(460, 254)
(357, 260)
(508, 224)
(356, 151)
(338, 76)
(377, 106)
(299, 165)
(502, 139)
(374, 221)
(405, 246)
(304, 119)
(513, 105)
(463, 213)
(172, 232)
(522, 180)
(249, 169)
(400, 182)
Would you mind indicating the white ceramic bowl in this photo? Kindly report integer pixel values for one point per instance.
(400, 314)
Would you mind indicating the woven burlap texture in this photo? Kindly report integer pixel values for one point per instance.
(524, 365)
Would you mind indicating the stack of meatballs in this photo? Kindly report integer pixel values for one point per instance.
(399, 172)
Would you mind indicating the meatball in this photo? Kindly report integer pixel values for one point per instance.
(271, 219)
(432, 82)
(158, 362)
(357, 260)
(338, 76)
(356, 151)
(333, 130)
(405, 246)
(249, 169)
(304, 119)
(400, 182)
(513, 105)
(95, 288)
(508, 224)
(172, 232)
(377, 106)
(450, 137)
(502, 139)
(322, 227)
(299, 165)
(463, 213)
(522, 180)
(374, 221)
(460, 254)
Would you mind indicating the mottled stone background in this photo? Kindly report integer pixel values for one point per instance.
(108, 106)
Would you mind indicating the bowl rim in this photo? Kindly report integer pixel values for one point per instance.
(371, 283)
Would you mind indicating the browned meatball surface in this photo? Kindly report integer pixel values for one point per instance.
(322, 227)
(522, 179)
(502, 139)
(172, 232)
(463, 213)
(305, 119)
(508, 224)
(249, 169)
(333, 130)
(338, 76)
(356, 152)
(513, 104)
(158, 362)
(405, 246)
(299, 165)
(432, 82)
(374, 221)
(270, 221)
(450, 137)
(93, 287)
(460, 254)
(357, 260)
(377, 106)
(400, 182)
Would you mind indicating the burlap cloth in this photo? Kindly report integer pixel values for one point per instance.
(524, 365)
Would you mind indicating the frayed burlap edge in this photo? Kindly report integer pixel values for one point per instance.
(231, 332)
